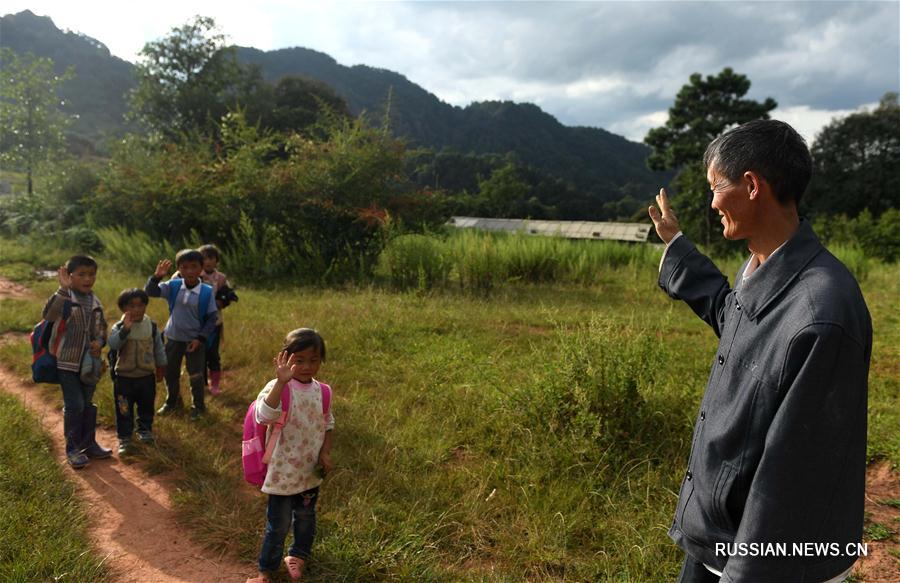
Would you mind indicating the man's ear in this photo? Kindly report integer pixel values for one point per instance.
(755, 184)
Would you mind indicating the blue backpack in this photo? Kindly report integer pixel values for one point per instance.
(202, 303)
(44, 344)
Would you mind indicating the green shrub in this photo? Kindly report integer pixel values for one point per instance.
(594, 387)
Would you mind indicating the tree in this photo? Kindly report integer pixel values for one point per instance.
(187, 81)
(856, 163)
(295, 104)
(703, 109)
(32, 128)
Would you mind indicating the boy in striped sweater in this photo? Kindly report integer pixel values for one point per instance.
(84, 335)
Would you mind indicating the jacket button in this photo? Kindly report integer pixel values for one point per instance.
(721, 359)
(702, 415)
(689, 476)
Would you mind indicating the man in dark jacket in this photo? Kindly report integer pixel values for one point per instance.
(774, 487)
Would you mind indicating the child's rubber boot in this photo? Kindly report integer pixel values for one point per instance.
(92, 449)
(215, 380)
(72, 422)
(294, 567)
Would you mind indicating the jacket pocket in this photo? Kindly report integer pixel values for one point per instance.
(724, 482)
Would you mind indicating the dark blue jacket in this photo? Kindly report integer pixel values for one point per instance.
(779, 446)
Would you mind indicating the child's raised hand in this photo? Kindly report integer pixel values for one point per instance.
(162, 268)
(127, 321)
(284, 365)
(65, 280)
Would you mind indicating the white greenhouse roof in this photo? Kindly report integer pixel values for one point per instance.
(567, 229)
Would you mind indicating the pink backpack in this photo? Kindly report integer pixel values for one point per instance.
(256, 450)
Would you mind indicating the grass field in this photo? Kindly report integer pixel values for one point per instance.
(537, 432)
(37, 505)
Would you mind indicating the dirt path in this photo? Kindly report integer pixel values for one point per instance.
(132, 522)
(881, 566)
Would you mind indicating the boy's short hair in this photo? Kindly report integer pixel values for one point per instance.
(77, 261)
(303, 338)
(188, 255)
(210, 250)
(129, 294)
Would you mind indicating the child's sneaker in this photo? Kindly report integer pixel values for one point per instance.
(145, 436)
(125, 447)
(77, 460)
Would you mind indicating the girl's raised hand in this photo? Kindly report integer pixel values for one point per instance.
(162, 268)
(65, 280)
(284, 364)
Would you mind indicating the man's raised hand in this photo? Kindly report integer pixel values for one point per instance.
(162, 268)
(666, 222)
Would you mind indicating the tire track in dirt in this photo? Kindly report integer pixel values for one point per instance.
(131, 519)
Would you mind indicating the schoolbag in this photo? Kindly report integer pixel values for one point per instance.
(113, 355)
(256, 450)
(202, 303)
(44, 346)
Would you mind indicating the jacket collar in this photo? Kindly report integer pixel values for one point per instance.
(778, 272)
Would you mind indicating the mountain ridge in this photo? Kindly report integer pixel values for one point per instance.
(589, 158)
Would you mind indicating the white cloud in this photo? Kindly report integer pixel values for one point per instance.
(809, 122)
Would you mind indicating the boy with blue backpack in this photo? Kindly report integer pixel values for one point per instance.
(77, 332)
(192, 320)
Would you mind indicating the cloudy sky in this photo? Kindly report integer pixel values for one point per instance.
(616, 65)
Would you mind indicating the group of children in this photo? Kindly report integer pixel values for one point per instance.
(141, 355)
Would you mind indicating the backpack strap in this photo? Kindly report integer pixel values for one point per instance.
(203, 302)
(174, 287)
(326, 398)
(276, 430)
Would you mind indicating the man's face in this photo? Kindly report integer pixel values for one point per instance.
(732, 201)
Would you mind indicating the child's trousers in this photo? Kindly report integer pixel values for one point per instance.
(213, 360)
(176, 350)
(301, 508)
(129, 392)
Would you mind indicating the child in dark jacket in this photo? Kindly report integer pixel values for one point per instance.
(78, 315)
(192, 319)
(224, 295)
(140, 363)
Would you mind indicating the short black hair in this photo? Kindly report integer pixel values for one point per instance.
(770, 147)
(188, 255)
(129, 294)
(77, 261)
(210, 250)
(303, 338)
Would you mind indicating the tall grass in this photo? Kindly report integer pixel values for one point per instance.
(854, 258)
(134, 250)
(478, 261)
